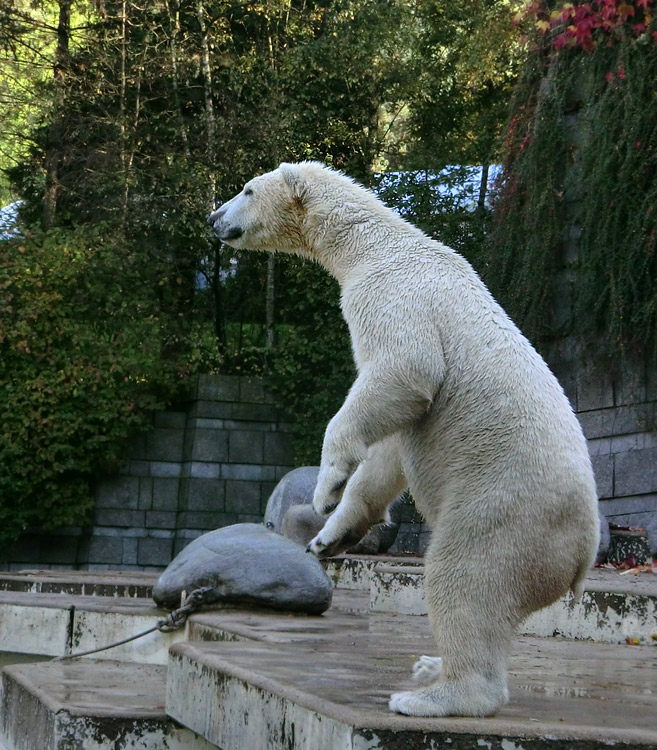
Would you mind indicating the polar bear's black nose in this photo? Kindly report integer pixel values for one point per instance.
(234, 233)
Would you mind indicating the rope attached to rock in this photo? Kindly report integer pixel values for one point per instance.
(173, 621)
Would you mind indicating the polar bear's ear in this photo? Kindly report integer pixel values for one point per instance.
(294, 180)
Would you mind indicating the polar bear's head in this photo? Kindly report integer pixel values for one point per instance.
(269, 212)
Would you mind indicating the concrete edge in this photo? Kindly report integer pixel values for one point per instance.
(15, 672)
(82, 602)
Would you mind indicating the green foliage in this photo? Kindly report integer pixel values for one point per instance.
(575, 220)
(617, 292)
(311, 367)
(523, 252)
(87, 351)
(133, 121)
(461, 64)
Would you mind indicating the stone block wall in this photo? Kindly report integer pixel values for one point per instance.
(215, 459)
(210, 462)
(617, 408)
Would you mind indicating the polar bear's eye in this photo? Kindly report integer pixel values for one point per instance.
(248, 191)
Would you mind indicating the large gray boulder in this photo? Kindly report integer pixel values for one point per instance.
(247, 564)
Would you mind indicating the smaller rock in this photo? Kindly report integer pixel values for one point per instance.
(381, 536)
(301, 524)
(247, 564)
(295, 488)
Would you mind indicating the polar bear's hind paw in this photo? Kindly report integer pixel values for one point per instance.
(427, 668)
(473, 696)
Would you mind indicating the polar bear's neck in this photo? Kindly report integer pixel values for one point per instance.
(348, 229)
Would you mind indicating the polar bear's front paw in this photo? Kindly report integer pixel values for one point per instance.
(427, 669)
(321, 546)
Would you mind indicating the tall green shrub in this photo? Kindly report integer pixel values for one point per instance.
(87, 351)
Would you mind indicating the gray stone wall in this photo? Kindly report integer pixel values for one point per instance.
(617, 408)
(215, 459)
(211, 462)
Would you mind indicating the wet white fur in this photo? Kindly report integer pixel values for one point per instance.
(450, 400)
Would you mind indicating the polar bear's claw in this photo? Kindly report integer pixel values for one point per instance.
(329, 489)
(322, 549)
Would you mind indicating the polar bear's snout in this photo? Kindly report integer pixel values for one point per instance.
(222, 227)
(214, 217)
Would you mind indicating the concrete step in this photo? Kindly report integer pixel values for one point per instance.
(255, 680)
(354, 572)
(275, 682)
(87, 705)
(616, 605)
(130, 585)
(60, 624)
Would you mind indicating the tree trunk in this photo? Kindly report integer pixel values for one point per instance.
(60, 69)
(269, 303)
(214, 253)
(174, 19)
(483, 188)
(209, 106)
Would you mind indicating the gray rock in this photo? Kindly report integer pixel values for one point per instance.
(247, 564)
(295, 488)
(301, 524)
(381, 536)
(289, 513)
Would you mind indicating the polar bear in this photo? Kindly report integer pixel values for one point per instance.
(452, 401)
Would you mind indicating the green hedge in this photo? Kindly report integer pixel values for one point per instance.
(87, 351)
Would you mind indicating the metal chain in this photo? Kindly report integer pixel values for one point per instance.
(173, 621)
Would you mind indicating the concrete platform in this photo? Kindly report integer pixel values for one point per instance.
(354, 572)
(323, 683)
(88, 705)
(261, 680)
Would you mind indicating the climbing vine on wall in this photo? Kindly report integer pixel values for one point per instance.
(572, 251)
